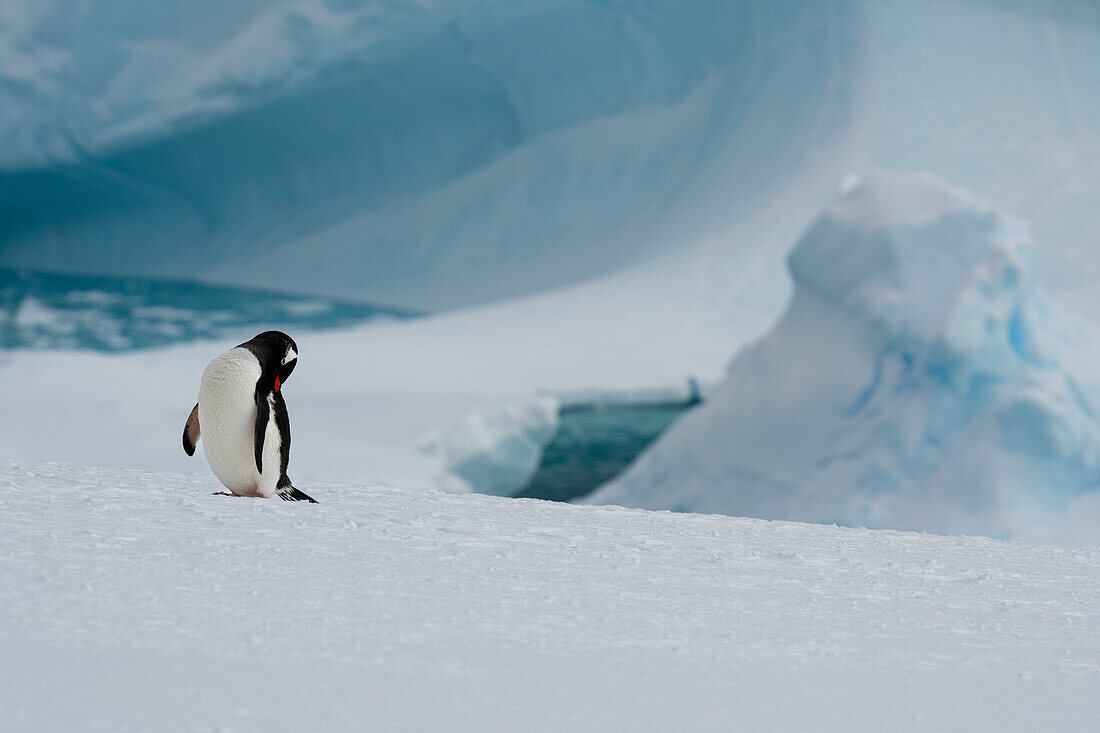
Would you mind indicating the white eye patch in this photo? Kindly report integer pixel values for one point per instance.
(291, 355)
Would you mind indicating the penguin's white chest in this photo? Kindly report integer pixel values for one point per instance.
(227, 416)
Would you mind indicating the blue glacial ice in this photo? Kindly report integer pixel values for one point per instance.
(431, 155)
(418, 154)
(919, 379)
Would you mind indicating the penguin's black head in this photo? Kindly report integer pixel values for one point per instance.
(277, 354)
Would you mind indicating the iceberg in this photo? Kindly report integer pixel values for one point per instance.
(424, 155)
(919, 379)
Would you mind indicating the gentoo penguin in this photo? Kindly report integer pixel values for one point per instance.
(245, 426)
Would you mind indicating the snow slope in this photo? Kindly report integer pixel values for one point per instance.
(918, 380)
(136, 600)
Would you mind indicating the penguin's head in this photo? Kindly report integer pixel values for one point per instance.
(277, 354)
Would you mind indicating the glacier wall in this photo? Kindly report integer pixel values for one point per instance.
(918, 380)
(439, 154)
(422, 154)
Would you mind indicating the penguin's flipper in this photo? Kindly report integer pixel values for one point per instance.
(263, 413)
(191, 431)
(289, 493)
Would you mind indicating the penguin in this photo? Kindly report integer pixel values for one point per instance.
(244, 423)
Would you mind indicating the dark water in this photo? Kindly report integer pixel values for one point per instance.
(43, 311)
(594, 443)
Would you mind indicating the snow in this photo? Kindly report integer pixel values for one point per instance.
(142, 601)
(496, 451)
(918, 380)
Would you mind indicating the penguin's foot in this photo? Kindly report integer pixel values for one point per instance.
(289, 493)
(224, 493)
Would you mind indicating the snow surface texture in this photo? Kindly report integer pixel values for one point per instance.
(136, 600)
(918, 380)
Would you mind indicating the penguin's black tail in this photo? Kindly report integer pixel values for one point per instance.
(289, 493)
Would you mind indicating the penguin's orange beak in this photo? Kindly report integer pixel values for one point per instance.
(277, 382)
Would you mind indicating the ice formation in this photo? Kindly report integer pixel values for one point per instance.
(494, 451)
(919, 379)
(419, 154)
